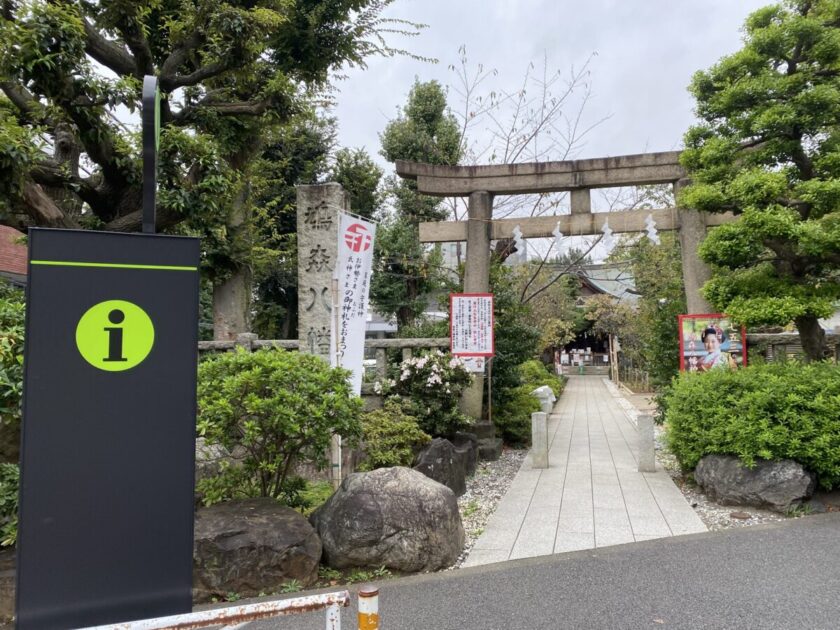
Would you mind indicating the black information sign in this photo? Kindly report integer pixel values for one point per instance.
(108, 447)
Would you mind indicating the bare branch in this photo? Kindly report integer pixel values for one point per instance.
(571, 266)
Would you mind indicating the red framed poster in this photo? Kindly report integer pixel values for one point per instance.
(709, 341)
(471, 325)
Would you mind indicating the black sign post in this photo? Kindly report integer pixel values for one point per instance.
(151, 142)
(105, 529)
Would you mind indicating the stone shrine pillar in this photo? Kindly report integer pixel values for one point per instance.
(477, 280)
(695, 272)
(317, 235)
(317, 229)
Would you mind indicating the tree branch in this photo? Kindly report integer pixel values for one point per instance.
(139, 47)
(133, 221)
(43, 209)
(108, 53)
(178, 56)
(170, 83)
(564, 272)
(48, 173)
(244, 108)
(30, 109)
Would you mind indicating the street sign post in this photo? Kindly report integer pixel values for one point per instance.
(105, 529)
(108, 446)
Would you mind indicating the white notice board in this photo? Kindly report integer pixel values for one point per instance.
(471, 324)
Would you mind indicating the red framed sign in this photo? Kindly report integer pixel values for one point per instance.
(709, 341)
(471, 325)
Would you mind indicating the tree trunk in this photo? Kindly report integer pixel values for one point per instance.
(232, 297)
(231, 305)
(812, 337)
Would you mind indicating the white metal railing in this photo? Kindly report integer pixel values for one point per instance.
(233, 616)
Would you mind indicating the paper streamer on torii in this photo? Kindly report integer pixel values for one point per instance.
(352, 277)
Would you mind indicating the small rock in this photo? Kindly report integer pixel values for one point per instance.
(742, 516)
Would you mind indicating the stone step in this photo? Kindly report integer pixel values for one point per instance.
(490, 449)
(483, 430)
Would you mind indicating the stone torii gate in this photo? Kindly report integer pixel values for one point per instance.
(481, 183)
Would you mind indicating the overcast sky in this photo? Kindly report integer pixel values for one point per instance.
(646, 52)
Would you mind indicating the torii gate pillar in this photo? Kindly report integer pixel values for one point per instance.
(477, 279)
(692, 231)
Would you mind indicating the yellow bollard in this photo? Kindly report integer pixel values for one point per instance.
(369, 608)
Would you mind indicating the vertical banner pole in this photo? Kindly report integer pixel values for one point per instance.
(151, 138)
(490, 390)
(335, 444)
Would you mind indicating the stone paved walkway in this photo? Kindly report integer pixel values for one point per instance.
(592, 494)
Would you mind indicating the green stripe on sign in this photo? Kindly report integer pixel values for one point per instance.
(65, 263)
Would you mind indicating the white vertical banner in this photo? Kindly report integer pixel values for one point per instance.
(352, 272)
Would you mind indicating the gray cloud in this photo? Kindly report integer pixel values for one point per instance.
(647, 51)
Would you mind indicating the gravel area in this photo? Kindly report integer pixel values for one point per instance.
(484, 491)
(716, 517)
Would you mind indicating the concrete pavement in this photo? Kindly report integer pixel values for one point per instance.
(592, 494)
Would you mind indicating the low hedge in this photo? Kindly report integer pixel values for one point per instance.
(768, 411)
(513, 418)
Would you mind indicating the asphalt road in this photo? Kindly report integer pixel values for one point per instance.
(784, 576)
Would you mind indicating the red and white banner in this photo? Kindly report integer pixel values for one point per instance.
(471, 324)
(352, 271)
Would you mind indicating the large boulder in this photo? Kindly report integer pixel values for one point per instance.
(447, 464)
(250, 547)
(393, 517)
(776, 485)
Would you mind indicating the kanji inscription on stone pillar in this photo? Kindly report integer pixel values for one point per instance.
(317, 237)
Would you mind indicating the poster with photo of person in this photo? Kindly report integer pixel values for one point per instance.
(711, 341)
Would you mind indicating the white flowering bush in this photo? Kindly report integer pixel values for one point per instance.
(431, 386)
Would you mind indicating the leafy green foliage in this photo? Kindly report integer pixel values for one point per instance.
(429, 387)
(9, 484)
(314, 495)
(391, 437)
(232, 74)
(513, 418)
(769, 411)
(360, 176)
(405, 272)
(278, 407)
(295, 153)
(516, 339)
(12, 315)
(768, 149)
(650, 339)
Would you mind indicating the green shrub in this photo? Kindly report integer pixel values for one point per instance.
(430, 386)
(12, 314)
(279, 407)
(513, 417)
(9, 483)
(391, 436)
(770, 411)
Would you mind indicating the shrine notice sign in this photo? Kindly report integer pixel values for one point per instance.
(352, 270)
(471, 324)
(108, 432)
